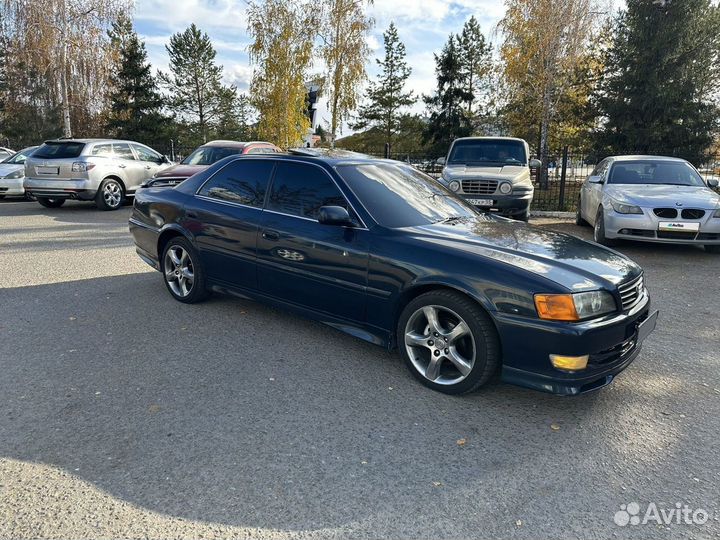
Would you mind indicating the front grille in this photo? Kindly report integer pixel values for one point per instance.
(479, 187)
(631, 292)
(667, 213)
(3, 189)
(708, 236)
(692, 213)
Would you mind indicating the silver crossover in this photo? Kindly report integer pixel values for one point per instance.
(100, 170)
(652, 199)
(491, 173)
(12, 173)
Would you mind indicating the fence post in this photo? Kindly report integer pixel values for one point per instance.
(387, 150)
(172, 150)
(563, 176)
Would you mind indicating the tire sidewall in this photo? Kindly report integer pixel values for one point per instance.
(470, 314)
(199, 291)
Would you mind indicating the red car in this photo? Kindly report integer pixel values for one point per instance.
(209, 153)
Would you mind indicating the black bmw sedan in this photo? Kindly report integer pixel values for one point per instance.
(385, 253)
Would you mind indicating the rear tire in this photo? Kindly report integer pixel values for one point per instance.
(182, 272)
(599, 230)
(50, 203)
(448, 342)
(713, 248)
(110, 195)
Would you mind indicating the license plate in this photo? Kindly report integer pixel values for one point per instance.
(47, 170)
(481, 202)
(680, 226)
(646, 327)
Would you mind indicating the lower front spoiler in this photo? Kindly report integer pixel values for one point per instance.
(566, 386)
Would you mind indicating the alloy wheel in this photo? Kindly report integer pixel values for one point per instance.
(440, 345)
(112, 194)
(179, 271)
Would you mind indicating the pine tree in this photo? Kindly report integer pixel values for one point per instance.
(195, 81)
(448, 118)
(475, 59)
(135, 103)
(660, 89)
(386, 97)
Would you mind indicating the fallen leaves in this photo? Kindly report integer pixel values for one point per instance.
(461, 442)
(555, 427)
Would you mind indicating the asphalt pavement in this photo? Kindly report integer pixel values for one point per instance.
(127, 414)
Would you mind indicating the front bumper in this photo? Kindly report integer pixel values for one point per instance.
(645, 228)
(516, 202)
(12, 186)
(82, 189)
(612, 344)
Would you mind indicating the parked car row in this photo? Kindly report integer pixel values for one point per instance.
(105, 171)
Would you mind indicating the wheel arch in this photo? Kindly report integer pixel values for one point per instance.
(166, 235)
(118, 179)
(415, 290)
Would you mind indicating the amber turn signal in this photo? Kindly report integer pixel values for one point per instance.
(569, 363)
(556, 307)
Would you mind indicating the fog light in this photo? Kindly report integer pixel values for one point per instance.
(570, 363)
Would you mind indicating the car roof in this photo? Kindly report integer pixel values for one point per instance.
(631, 157)
(328, 156)
(90, 140)
(490, 139)
(234, 144)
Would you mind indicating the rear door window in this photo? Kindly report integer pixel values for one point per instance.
(123, 151)
(102, 150)
(300, 190)
(243, 181)
(59, 150)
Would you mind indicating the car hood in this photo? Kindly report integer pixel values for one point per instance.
(462, 172)
(649, 195)
(564, 259)
(180, 171)
(7, 168)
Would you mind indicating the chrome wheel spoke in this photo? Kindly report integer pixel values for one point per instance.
(431, 315)
(414, 339)
(460, 330)
(174, 257)
(432, 371)
(462, 365)
(187, 273)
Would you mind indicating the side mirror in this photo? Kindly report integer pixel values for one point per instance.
(595, 179)
(535, 163)
(334, 215)
(164, 159)
(713, 182)
(440, 161)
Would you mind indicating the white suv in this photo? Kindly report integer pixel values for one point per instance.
(100, 170)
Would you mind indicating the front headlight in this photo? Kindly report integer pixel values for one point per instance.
(505, 188)
(15, 174)
(454, 185)
(717, 213)
(574, 307)
(622, 208)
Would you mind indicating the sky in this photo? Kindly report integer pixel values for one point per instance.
(423, 25)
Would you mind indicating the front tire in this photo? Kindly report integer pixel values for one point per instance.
(110, 195)
(184, 276)
(448, 342)
(50, 203)
(523, 216)
(599, 230)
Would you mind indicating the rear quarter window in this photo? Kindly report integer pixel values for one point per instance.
(59, 150)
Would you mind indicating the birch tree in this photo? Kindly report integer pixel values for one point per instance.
(344, 49)
(283, 33)
(544, 44)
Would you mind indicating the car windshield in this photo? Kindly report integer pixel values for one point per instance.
(207, 155)
(676, 173)
(487, 152)
(20, 157)
(59, 150)
(400, 196)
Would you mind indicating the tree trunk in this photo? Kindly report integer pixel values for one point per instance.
(544, 129)
(64, 93)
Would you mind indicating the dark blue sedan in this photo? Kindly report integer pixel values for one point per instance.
(385, 253)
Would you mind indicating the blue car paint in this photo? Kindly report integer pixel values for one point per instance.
(358, 279)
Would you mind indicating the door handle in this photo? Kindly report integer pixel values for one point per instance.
(122, 166)
(148, 167)
(271, 235)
